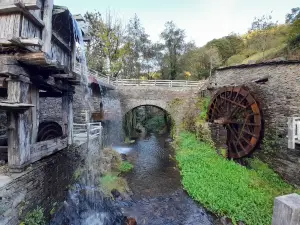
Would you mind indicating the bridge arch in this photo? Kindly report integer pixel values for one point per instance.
(131, 125)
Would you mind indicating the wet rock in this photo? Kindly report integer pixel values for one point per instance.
(123, 157)
(115, 193)
(226, 221)
(2, 162)
(131, 221)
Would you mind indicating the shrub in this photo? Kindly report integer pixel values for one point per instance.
(155, 124)
(225, 187)
(36, 217)
(125, 167)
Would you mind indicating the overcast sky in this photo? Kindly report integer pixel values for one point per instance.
(203, 20)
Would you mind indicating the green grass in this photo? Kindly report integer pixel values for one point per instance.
(268, 54)
(125, 167)
(225, 187)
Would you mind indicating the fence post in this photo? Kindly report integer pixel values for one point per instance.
(100, 135)
(171, 83)
(108, 79)
(88, 130)
(186, 83)
(154, 82)
(291, 133)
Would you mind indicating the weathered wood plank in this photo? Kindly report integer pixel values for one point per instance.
(34, 99)
(42, 60)
(47, 31)
(20, 7)
(46, 148)
(61, 42)
(19, 129)
(67, 115)
(29, 4)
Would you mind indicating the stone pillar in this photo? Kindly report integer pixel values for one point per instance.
(67, 115)
(286, 210)
(19, 125)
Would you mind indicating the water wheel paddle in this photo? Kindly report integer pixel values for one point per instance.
(237, 110)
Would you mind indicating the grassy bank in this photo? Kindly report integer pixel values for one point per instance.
(225, 187)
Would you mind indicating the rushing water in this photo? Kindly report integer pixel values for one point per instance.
(158, 197)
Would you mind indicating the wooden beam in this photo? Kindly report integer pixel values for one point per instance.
(63, 76)
(47, 31)
(17, 42)
(29, 4)
(19, 133)
(60, 42)
(46, 148)
(35, 100)
(19, 6)
(50, 94)
(42, 60)
(67, 115)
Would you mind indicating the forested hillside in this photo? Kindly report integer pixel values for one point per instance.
(125, 50)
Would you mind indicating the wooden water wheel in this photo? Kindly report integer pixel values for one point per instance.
(237, 110)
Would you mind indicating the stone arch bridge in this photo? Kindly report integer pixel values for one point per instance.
(166, 95)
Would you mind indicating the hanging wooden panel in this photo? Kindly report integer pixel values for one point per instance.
(238, 111)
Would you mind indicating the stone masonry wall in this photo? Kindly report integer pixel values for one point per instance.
(277, 88)
(50, 108)
(44, 184)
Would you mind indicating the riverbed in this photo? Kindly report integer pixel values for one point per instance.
(158, 197)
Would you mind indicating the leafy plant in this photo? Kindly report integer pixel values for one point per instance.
(225, 187)
(125, 167)
(36, 217)
(155, 124)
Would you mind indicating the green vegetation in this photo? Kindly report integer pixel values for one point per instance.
(36, 217)
(131, 53)
(125, 167)
(155, 124)
(112, 181)
(225, 187)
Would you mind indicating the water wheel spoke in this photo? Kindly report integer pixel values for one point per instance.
(253, 135)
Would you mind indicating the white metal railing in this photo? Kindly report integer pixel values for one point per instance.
(86, 132)
(165, 83)
(103, 78)
(293, 132)
(136, 82)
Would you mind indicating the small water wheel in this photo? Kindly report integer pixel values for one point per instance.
(237, 110)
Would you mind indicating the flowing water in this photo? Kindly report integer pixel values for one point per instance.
(158, 197)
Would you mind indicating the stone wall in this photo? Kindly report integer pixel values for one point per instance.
(276, 86)
(50, 108)
(43, 184)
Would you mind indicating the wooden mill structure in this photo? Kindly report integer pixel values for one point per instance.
(39, 45)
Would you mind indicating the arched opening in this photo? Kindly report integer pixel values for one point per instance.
(146, 119)
(49, 130)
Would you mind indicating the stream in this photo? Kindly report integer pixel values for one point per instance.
(158, 197)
